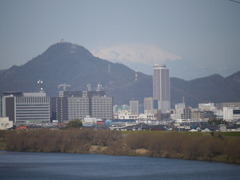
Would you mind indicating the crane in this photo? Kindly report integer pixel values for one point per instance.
(64, 86)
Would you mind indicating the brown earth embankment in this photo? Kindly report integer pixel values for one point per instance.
(195, 146)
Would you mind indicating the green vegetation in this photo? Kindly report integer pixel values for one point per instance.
(74, 124)
(216, 146)
(2, 139)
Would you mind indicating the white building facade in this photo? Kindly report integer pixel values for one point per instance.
(5, 123)
(231, 113)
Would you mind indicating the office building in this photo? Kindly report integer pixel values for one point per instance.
(231, 111)
(32, 109)
(179, 111)
(8, 107)
(101, 107)
(161, 87)
(148, 104)
(27, 107)
(59, 109)
(134, 107)
(78, 107)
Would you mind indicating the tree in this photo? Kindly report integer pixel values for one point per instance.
(74, 123)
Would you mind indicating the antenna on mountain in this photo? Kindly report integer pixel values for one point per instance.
(136, 76)
(109, 68)
(62, 41)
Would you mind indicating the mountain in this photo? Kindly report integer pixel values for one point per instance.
(2, 71)
(214, 88)
(141, 57)
(135, 53)
(73, 64)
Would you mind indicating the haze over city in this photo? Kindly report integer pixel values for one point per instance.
(205, 33)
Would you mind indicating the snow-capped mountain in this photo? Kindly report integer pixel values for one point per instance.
(142, 57)
(135, 53)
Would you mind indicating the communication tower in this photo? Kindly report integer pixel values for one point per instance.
(109, 68)
(136, 76)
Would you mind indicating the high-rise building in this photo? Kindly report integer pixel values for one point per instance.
(32, 109)
(27, 107)
(161, 87)
(59, 109)
(8, 107)
(78, 107)
(148, 104)
(79, 104)
(101, 107)
(134, 107)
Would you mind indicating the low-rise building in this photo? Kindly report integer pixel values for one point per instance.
(5, 123)
(207, 106)
(26, 107)
(134, 107)
(126, 114)
(231, 111)
(90, 121)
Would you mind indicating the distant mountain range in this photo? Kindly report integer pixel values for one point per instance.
(73, 64)
(141, 57)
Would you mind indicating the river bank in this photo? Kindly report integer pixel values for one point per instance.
(194, 146)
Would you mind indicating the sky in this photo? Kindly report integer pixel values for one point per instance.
(206, 32)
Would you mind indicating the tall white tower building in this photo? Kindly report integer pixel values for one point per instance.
(161, 87)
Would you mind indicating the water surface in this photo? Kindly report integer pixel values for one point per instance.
(25, 165)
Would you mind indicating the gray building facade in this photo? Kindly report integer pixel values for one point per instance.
(78, 107)
(161, 87)
(29, 107)
(101, 107)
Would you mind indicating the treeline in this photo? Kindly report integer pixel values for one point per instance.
(196, 146)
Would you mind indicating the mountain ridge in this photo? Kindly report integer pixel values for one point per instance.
(141, 57)
(73, 64)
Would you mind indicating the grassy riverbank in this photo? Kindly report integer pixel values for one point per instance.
(223, 147)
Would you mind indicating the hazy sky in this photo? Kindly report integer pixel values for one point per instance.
(203, 31)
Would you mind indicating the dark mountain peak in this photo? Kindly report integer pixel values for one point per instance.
(235, 77)
(66, 48)
(61, 54)
(214, 77)
(9, 72)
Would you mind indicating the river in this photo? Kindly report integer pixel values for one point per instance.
(27, 165)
